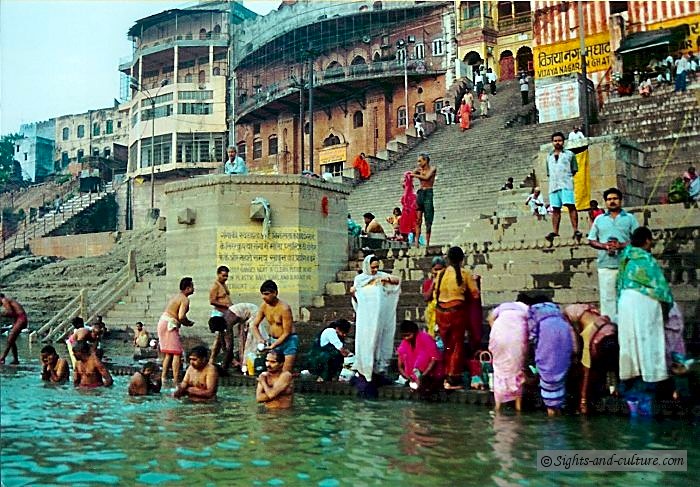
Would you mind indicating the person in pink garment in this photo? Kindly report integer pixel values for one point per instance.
(508, 346)
(420, 361)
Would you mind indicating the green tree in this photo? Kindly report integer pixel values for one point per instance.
(8, 170)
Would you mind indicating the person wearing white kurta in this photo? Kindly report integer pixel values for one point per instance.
(375, 297)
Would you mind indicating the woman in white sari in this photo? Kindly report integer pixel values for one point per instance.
(375, 296)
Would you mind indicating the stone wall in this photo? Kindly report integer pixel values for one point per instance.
(209, 224)
(70, 246)
(614, 162)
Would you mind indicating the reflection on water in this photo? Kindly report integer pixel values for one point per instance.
(57, 435)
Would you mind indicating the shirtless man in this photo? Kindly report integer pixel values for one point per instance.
(140, 336)
(174, 316)
(276, 386)
(220, 299)
(142, 383)
(89, 370)
(201, 379)
(13, 310)
(426, 175)
(53, 368)
(279, 316)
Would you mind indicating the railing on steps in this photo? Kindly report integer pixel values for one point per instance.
(89, 305)
(51, 221)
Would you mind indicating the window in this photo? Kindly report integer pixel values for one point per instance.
(241, 150)
(134, 118)
(618, 7)
(256, 128)
(471, 10)
(437, 105)
(96, 152)
(401, 117)
(357, 119)
(194, 108)
(332, 139)
(257, 149)
(81, 131)
(188, 78)
(272, 145)
(81, 153)
(107, 152)
(25, 156)
(157, 100)
(336, 169)
(401, 56)
(202, 77)
(216, 71)
(438, 47)
(161, 111)
(419, 51)
(195, 95)
(162, 148)
(96, 129)
(199, 147)
(420, 110)
(119, 124)
(109, 127)
(16, 148)
(66, 133)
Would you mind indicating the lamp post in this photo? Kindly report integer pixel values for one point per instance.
(152, 99)
(403, 45)
(584, 74)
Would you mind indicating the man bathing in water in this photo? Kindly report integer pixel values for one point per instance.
(201, 379)
(13, 310)
(143, 383)
(276, 386)
(220, 299)
(89, 370)
(174, 316)
(279, 316)
(426, 175)
(53, 368)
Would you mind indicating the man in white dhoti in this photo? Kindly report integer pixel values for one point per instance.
(375, 296)
(644, 303)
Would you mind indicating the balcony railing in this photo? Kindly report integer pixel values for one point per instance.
(210, 36)
(520, 22)
(466, 24)
(380, 69)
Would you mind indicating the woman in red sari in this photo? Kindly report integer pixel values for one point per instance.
(465, 114)
(455, 291)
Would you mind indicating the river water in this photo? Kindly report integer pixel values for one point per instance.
(55, 435)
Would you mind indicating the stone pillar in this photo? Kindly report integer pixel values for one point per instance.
(211, 222)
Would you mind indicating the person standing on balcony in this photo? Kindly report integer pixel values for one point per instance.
(561, 169)
(610, 233)
(13, 310)
(234, 164)
(424, 202)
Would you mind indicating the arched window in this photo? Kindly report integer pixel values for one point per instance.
(257, 148)
(66, 133)
(188, 78)
(202, 77)
(81, 131)
(272, 145)
(332, 139)
(357, 119)
(202, 33)
(377, 5)
(420, 110)
(377, 58)
(95, 129)
(401, 117)
(241, 149)
(217, 29)
(216, 71)
(358, 60)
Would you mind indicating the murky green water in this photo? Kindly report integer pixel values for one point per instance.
(61, 436)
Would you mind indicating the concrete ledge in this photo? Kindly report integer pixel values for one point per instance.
(71, 246)
(217, 179)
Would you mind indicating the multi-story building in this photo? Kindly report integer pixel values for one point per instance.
(496, 35)
(178, 108)
(93, 134)
(360, 54)
(34, 150)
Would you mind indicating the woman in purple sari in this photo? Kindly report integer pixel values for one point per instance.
(553, 339)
